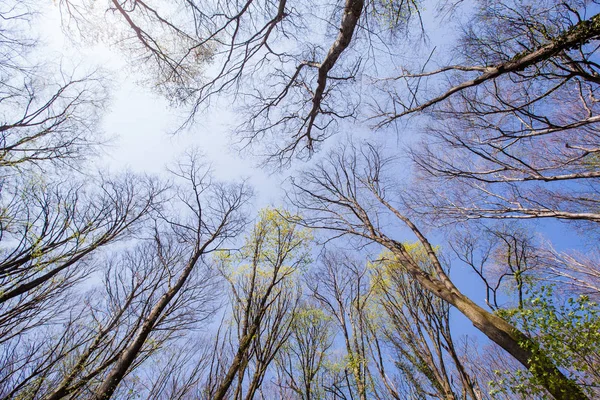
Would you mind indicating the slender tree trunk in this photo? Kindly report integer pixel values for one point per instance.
(464, 377)
(128, 356)
(116, 375)
(235, 365)
(65, 388)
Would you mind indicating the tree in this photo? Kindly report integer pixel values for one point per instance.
(50, 227)
(49, 114)
(311, 89)
(512, 135)
(416, 325)
(133, 285)
(44, 122)
(176, 371)
(301, 364)
(263, 280)
(514, 126)
(347, 194)
(541, 40)
(503, 258)
(489, 367)
(210, 213)
(341, 286)
(561, 320)
(149, 295)
(51, 231)
(577, 273)
(251, 42)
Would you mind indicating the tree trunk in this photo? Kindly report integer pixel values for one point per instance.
(128, 356)
(516, 343)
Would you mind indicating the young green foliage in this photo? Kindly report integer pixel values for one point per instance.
(568, 333)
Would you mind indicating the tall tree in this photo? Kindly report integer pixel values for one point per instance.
(51, 231)
(512, 134)
(416, 326)
(149, 295)
(263, 279)
(347, 193)
(342, 288)
(514, 126)
(49, 114)
(206, 215)
(301, 365)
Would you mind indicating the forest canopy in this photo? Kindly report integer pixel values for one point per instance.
(435, 235)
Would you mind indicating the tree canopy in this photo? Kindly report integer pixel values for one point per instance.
(460, 262)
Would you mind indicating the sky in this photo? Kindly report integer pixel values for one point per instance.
(140, 122)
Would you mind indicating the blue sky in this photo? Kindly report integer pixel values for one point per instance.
(140, 121)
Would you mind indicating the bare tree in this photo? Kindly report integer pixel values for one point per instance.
(49, 227)
(176, 372)
(574, 273)
(150, 295)
(106, 321)
(508, 259)
(293, 90)
(342, 287)
(133, 283)
(29, 359)
(49, 113)
(503, 259)
(513, 132)
(49, 122)
(522, 42)
(17, 41)
(347, 194)
(207, 215)
(51, 232)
